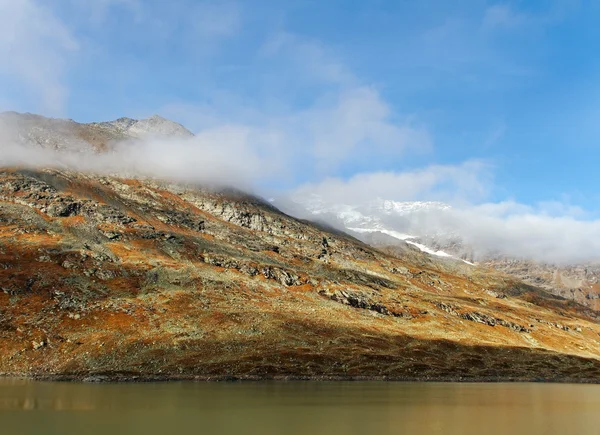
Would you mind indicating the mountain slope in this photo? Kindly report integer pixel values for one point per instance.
(409, 223)
(116, 278)
(110, 278)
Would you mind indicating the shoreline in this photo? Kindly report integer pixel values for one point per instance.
(148, 378)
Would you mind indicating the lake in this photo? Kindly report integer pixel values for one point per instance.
(29, 407)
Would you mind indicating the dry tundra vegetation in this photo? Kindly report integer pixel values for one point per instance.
(105, 278)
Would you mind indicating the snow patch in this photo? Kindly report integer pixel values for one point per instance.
(395, 234)
(369, 218)
(406, 238)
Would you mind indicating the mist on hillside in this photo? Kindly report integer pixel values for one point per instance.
(260, 161)
(220, 156)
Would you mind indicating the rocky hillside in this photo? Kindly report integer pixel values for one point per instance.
(118, 278)
(580, 282)
(109, 278)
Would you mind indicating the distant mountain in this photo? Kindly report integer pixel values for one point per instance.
(66, 134)
(408, 223)
(392, 218)
(154, 126)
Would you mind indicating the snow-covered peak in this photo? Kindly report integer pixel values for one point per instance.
(408, 207)
(371, 214)
(392, 218)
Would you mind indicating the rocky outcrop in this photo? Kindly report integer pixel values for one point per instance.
(480, 317)
(362, 301)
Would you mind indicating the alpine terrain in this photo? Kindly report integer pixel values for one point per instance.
(392, 223)
(110, 277)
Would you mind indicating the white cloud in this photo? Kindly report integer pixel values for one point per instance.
(226, 155)
(344, 128)
(451, 183)
(34, 46)
(531, 234)
(357, 125)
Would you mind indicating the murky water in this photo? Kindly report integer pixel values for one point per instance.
(297, 408)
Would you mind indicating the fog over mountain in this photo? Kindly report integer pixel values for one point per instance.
(152, 147)
(485, 230)
(157, 147)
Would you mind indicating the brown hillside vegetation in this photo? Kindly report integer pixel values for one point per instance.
(109, 278)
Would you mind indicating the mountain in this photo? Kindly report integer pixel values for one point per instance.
(155, 126)
(112, 278)
(408, 223)
(65, 134)
(379, 216)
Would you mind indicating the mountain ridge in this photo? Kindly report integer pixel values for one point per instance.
(69, 135)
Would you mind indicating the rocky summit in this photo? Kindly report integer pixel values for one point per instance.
(67, 135)
(112, 278)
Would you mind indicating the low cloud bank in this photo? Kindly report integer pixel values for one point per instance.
(528, 234)
(550, 232)
(186, 160)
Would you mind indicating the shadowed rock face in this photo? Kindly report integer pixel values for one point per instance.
(111, 278)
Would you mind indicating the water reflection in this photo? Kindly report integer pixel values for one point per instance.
(298, 408)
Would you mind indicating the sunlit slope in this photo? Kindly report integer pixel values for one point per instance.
(113, 278)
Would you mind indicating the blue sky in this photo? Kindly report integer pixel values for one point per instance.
(502, 95)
